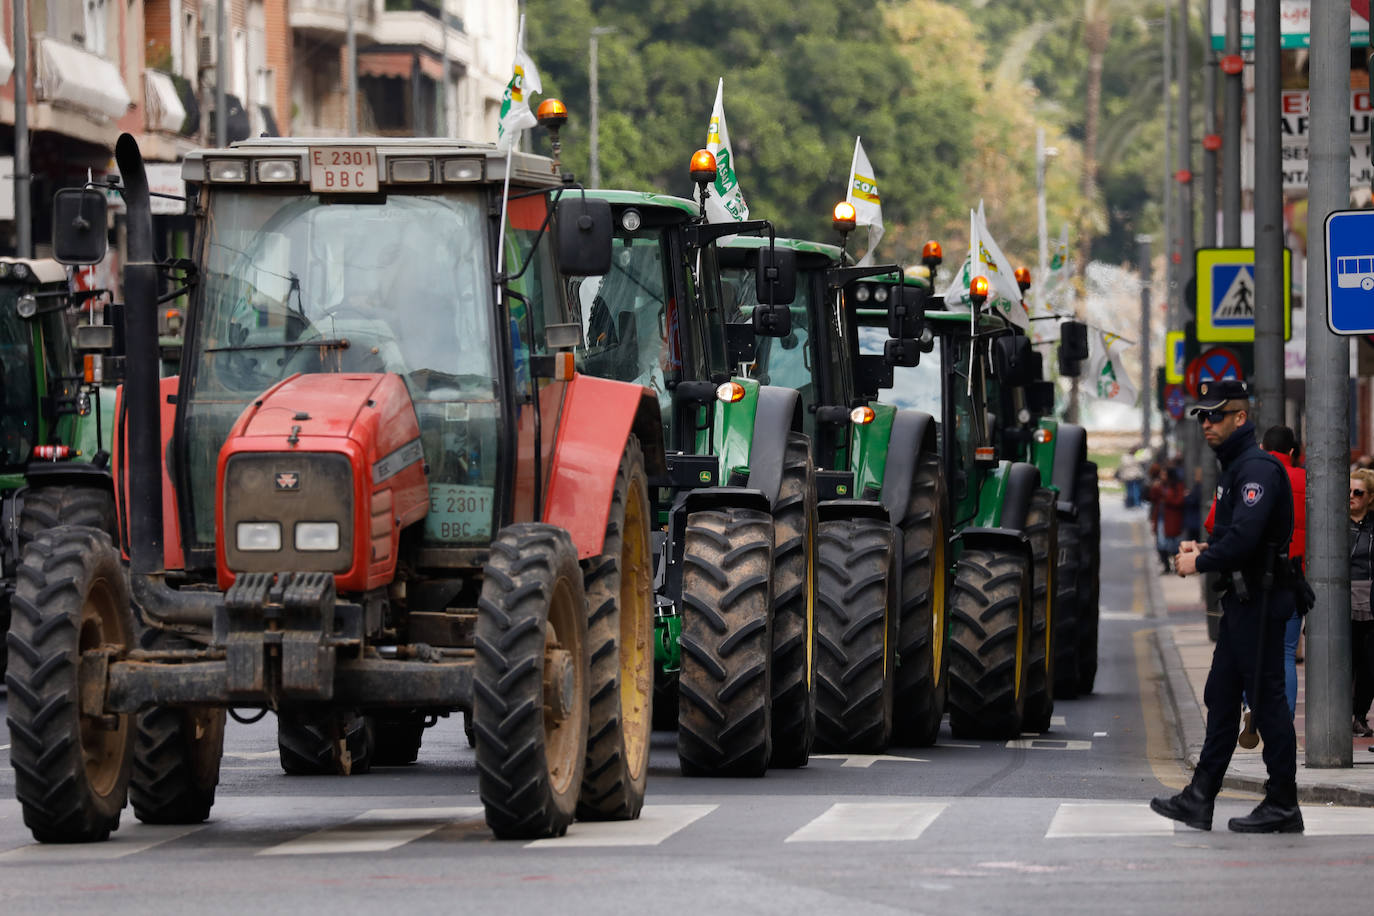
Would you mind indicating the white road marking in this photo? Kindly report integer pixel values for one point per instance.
(375, 831)
(655, 824)
(1126, 819)
(121, 843)
(857, 822)
(864, 761)
(4, 747)
(1059, 721)
(1323, 821)
(1099, 734)
(255, 755)
(1119, 615)
(1049, 744)
(942, 744)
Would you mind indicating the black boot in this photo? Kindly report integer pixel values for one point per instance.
(1192, 806)
(1278, 813)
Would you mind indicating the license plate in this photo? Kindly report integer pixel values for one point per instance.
(343, 169)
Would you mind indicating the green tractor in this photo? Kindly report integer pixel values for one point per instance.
(55, 418)
(882, 661)
(735, 557)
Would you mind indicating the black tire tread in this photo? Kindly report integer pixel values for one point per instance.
(989, 588)
(921, 689)
(1042, 527)
(794, 563)
(176, 764)
(308, 745)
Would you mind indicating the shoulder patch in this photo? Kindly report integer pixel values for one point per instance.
(1251, 493)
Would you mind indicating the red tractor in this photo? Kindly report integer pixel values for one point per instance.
(377, 494)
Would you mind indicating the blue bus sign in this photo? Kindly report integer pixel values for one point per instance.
(1350, 272)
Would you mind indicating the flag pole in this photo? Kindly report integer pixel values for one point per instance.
(505, 185)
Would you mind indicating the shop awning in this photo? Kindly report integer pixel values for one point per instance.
(392, 64)
(6, 62)
(165, 111)
(76, 77)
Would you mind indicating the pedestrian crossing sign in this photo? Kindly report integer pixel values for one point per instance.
(1226, 294)
(1174, 360)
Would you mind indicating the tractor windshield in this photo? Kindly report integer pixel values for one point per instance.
(916, 387)
(296, 284)
(18, 400)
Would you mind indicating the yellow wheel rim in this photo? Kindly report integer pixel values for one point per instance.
(636, 631)
(562, 736)
(102, 748)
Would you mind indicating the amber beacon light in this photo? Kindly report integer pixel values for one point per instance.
(703, 167)
(978, 289)
(844, 217)
(552, 114)
(1023, 278)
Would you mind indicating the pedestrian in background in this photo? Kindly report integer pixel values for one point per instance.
(1282, 443)
(1192, 509)
(1167, 496)
(1361, 617)
(1253, 525)
(1131, 473)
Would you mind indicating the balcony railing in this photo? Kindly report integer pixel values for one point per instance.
(433, 10)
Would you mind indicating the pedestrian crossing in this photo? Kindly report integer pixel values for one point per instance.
(240, 829)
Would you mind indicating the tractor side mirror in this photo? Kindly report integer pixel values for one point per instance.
(1037, 369)
(1011, 359)
(906, 312)
(775, 279)
(1040, 398)
(772, 321)
(1073, 341)
(78, 226)
(741, 343)
(902, 351)
(585, 227)
(563, 336)
(871, 375)
(94, 337)
(1069, 368)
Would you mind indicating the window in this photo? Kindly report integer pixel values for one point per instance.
(96, 17)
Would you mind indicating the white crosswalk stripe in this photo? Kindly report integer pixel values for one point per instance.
(856, 822)
(655, 824)
(1333, 821)
(377, 830)
(120, 844)
(1090, 819)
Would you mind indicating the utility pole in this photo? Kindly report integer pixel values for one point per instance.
(1269, 291)
(1184, 180)
(1231, 141)
(221, 75)
(23, 199)
(352, 120)
(1328, 399)
(594, 89)
(1209, 127)
(1147, 375)
(443, 71)
(1172, 308)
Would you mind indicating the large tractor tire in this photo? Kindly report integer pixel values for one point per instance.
(794, 588)
(45, 508)
(1042, 527)
(1066, 607)
(620, 636)
(176, 764)
(856, 635)
(922, 685)
(1089, 508)
(330, 743)
(71, 611)
(990, 626)
(397, 737)
(530, 700)
(724, 723)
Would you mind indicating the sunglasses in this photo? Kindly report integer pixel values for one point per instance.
(1357, 492)
(1213, 416)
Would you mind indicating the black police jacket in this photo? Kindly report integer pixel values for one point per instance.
(1254, 517)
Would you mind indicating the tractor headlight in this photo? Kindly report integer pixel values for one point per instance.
(258, 536)
(880, 294)
(317, 536)
(862, 294)
(21, 272)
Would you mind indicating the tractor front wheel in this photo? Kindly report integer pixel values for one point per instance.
(176, 764)
(1042, 526)
(922, 686)
(990, 625)
(71, 615)
(324, 744)
(724, 726)
(397, 738)
(794, 570)
(530, 701)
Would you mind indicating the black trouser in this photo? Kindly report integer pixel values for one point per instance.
(1233, 671)
(1362, 664)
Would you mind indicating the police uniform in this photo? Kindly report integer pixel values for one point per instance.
(1254, 522)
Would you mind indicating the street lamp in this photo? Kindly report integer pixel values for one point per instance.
(597, 32)
(1043, 154)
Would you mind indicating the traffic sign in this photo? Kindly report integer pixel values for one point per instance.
(1175, 401)
(1212, 366)
(1174, 362)
(1350, 272)
(1226, 294)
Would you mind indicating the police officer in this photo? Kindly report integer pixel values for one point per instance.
(1248, 548)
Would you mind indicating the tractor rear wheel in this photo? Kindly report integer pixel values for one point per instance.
(397, 738)
(620, 632)
(990, 624)
(330, 743)
(922, 684)
(724, 726)
(1066, 609)
(530, 702)
(1042, 526)
(176, 764)
(794, 586)
(45, 508)
(1088, 581)
(856, 635)
(71, 613)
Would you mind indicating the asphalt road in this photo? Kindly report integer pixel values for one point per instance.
(1055, 823)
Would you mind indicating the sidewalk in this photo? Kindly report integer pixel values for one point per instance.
(1185, 654)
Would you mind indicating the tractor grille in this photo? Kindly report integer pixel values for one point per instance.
(288, 489)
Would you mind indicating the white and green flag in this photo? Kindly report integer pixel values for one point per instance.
(863, 194)
(726, 201)
(986, 258)
(1106, 375)
(515, 104)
